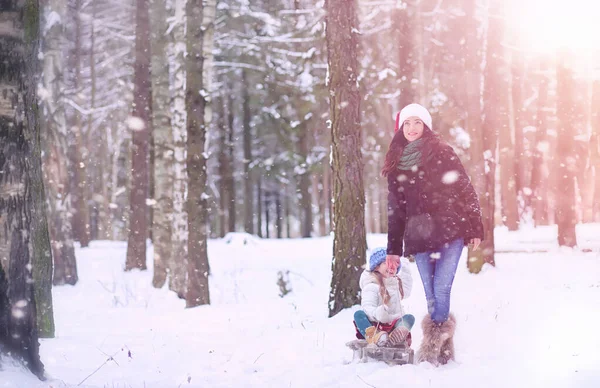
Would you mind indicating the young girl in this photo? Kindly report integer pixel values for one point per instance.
(382, 320)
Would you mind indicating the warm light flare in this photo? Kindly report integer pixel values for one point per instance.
(545, 26)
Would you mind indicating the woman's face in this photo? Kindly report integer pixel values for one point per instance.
(412, 128)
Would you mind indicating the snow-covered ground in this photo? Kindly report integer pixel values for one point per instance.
(531, 321)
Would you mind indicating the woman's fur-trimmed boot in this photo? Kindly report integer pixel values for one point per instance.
(436, 335)
(447, 349)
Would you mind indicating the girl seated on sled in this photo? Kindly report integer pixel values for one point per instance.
(382, 320)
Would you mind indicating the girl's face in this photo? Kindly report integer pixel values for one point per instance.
(384, 270)
(412, 128)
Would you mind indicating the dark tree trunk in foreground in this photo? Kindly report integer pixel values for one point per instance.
(349, 243)
(140, 128)
(23, 231)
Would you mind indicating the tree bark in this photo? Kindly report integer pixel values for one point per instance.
(595, 149)
(304, 183)
(162, 220)
(248, 181)
(278, 214)
(267, 208)
(565, 162)
(92, 178)
(54, 143)
(232, 211)
(539, 172)
(508, 164)
(349, 243)
(24, 236)
(81, 217)
(200, 18)
(477, 258)
(404, 33)
(178, 263)
(140, 125)
(517, 71)
(496, 118)
(259, 208)
(223, 167)
(287, 210)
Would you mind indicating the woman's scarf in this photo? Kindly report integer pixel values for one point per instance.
(411, 156)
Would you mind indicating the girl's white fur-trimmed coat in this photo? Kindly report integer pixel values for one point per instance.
(371, 301)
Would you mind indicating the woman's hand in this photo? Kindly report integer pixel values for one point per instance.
(393, 262)
(475, 242)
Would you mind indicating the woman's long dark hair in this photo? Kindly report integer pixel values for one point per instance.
(392, 158)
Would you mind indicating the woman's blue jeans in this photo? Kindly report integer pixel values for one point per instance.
(437, 270)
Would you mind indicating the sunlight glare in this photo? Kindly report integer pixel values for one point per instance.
(545, 26)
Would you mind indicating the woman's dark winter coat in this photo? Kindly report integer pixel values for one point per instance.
(431, 204)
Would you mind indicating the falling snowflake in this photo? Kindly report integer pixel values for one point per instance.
(135, 123)
(450, 177)
(18, 313)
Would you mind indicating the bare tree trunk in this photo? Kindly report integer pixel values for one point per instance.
(54, 144)
(508, 177)
(304, 183)
(404, 34)
(140, 125)
(286, 204)
(349, 243)
(585, 155)
(278, 214)
(326, 197)
(474, 124)
(496, 118)
(92, 179)
(595, 149)
(539, 172)
(320, 200)
(248, 181)
(81, 226)
(510, 156)
(565, 160)
(232, 211)
(267, 208)
(162, 220)
(200, 27)
(177, 266)
(517, 71)
(223, 168)
(23, 234)
(419, 48)
(259, 200)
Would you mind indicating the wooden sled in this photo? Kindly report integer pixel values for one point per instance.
(392, 355)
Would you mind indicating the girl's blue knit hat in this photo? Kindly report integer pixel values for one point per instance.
(377, 257)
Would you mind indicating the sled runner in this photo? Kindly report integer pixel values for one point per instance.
(392, 355)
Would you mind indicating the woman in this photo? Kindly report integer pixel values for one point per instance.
(382, 320)
(433, 211)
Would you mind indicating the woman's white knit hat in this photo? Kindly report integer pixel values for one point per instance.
(415, 110)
